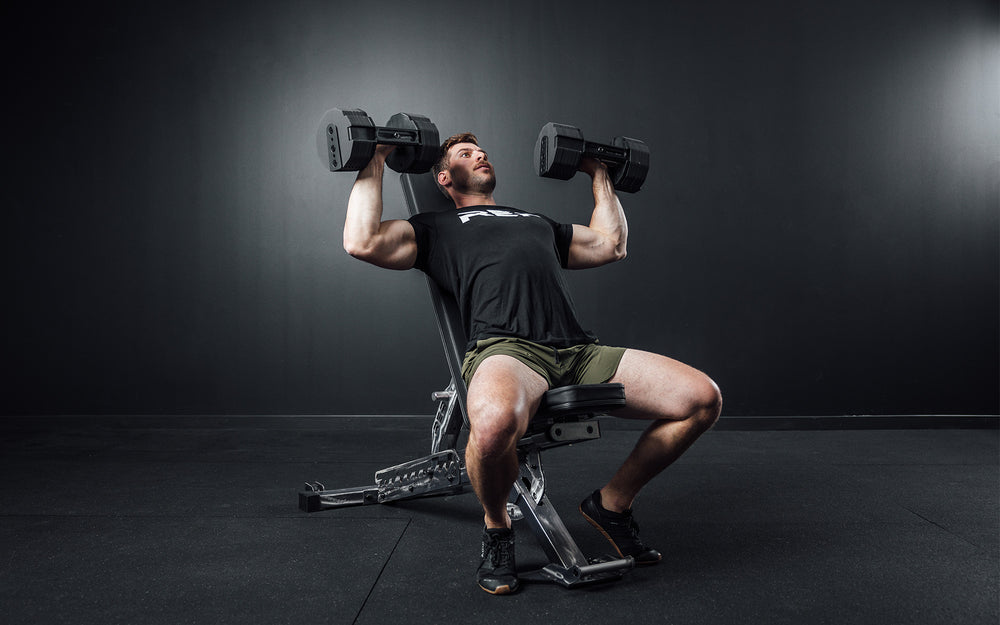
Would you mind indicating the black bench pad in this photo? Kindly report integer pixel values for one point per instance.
(581, 399)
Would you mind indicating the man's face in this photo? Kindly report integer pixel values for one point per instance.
(469, 169)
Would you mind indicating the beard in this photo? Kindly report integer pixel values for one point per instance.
(476, 182)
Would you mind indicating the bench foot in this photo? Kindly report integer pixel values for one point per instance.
(442, 473)
(596, 572)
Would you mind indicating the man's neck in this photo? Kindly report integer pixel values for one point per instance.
(463, 200)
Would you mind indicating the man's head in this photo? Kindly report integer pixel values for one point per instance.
(463, 167)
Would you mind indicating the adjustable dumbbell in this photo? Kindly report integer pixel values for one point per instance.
(560, 148)
(347, 140)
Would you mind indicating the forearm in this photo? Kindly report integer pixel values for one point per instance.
(364, 208)
(608, 217)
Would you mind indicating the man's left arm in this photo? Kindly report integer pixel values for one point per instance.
(604, 240)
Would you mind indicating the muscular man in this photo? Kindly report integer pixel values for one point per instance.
(504, 267)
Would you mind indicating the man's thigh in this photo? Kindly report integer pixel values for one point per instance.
(658, 387)
(503, 389)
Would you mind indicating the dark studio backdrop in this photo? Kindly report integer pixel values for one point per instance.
(819, 229)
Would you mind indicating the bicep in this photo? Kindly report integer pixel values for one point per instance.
(589, 248)
(395, 245)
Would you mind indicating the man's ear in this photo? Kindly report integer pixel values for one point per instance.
(444, 178)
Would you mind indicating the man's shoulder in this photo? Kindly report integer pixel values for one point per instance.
(428, 217)
(434, 221)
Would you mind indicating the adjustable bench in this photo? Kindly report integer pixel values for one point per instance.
(566, 415)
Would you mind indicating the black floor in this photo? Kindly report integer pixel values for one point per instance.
(195, 520)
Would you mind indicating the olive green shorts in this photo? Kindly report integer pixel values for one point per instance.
(590, 363)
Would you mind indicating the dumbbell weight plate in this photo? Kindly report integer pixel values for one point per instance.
(346, 139)
(418, 158)
(558, 151)
(629, 176)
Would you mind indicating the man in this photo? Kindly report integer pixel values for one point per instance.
(504, 266)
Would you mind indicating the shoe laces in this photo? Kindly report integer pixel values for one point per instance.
(498, 550)
(628, 527)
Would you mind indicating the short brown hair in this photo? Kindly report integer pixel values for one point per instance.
(443, 161)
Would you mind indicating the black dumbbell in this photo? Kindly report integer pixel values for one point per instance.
(347, 140)
(560, 148)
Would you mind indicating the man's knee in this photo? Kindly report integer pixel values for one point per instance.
(494, 430)
(706, 402)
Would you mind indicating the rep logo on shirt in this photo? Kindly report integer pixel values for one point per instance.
(465, 216)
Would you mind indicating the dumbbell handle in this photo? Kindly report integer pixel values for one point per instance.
(385, 135)
(610, 154)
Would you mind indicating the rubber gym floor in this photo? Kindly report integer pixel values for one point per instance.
(195, 520)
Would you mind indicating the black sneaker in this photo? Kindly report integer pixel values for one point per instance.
(497, 574)
(619, 528)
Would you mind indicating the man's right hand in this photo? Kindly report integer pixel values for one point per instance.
(382, 152)
(392, 243)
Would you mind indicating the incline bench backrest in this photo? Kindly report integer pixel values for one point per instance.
(423, 196)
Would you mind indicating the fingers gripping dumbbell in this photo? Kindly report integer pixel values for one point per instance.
(347, 140)
(560, 149)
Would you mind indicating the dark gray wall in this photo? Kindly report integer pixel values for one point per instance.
(819, 230)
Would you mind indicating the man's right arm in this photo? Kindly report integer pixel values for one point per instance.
(391, 244)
